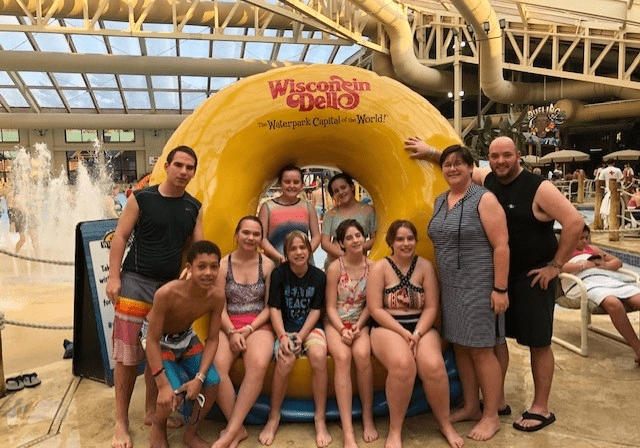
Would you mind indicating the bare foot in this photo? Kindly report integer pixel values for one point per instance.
(394, 440)
(485, 429)
(268, 433)
(172, 422)
(369, 433)
(464, 415)
(193, 440)
(158, 437)
(228, 440)
(242, 434)
(349, 440)
(323, 438)
(121, 439)
(454, 439)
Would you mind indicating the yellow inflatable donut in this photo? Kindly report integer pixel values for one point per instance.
(328, 115)
(300, 380)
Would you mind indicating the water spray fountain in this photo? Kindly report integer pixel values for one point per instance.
(52, 207)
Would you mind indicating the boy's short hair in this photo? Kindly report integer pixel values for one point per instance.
(202, 247)
(292, 236)
(185, 149)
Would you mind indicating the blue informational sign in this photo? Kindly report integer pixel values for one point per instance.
(93, 312)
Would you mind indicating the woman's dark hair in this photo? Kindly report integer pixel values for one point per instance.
(462, 151)
(343, 176)
(341, 231)
(185, 149)
(586, 229)
(289, 167)
(392, 231)
(202, 247)
(253, 218)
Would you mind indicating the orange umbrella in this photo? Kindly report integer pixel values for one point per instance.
(143, 182)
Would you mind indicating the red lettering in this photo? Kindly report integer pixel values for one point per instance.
(348, 101)
(304, 101)
(279, 88)
(336, 93)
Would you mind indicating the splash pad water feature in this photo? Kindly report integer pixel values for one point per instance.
(50, 208)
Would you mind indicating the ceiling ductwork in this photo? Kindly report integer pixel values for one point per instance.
(476, 13)
(579, 112)
(409, 70)
(405, 64)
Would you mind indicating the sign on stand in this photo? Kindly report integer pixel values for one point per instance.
(93, 312)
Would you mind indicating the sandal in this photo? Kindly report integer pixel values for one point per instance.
(14, 384)
(544, 421)
(31, 379)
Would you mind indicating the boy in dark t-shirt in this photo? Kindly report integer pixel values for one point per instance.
(296, 298)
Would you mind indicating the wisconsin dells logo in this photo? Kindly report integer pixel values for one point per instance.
(106, 241)
(335, 93)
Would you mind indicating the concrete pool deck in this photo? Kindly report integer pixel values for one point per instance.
(595, 399)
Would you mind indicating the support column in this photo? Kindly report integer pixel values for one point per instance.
(457, 88)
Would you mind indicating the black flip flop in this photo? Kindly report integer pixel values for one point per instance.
(506, 410)
(31, 379)
(544, 421)
(14, 384)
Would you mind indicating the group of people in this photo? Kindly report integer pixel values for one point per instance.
(496, 263)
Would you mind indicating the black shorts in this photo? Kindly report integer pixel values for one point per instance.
(408, 321)
(529, 318)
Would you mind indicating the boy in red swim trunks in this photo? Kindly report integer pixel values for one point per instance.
(163, 219)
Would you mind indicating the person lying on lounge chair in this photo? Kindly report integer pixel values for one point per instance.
(604, 286)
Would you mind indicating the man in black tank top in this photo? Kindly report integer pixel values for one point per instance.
(166, 219)
(531, 205)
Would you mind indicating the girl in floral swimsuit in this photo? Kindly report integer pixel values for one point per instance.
(347, 329)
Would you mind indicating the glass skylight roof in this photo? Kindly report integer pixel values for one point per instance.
(69, 79)
(52, 42)
(89, 44)
(89, 89)
(13, 97)
(78, 99)
(138, 100)
(47, 98)
(109, 99)
(32, 91)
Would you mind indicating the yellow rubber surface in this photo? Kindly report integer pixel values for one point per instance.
(327, 115)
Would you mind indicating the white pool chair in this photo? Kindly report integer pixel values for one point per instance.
(588, 308)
